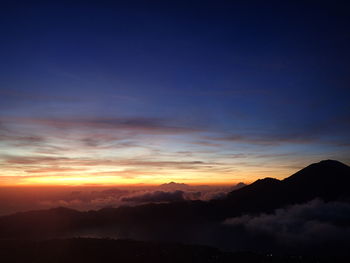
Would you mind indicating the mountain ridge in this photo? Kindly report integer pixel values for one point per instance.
(262, 196)
(326, 179)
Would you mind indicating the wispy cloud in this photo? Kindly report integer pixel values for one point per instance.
(142, 147)
(54, 169)
(37, 160)
(135, 124)
(156, 196)
(19, 141)
(266, 139)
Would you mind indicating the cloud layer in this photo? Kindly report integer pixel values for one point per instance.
(120, 149)
(316, 225)
(94, 198)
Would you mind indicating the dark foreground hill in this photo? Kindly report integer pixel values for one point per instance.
(89, 250)
(325, 225)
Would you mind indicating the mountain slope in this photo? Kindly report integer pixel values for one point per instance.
(328, 180)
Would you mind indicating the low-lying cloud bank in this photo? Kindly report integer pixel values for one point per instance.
(313, 228)
(24, 199)
(316, 225)
(115, 197)
(156, 196)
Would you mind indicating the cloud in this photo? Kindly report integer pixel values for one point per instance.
(140, 125)
(84, 199)
(157, 197)
(13, 159)
(95, 197)
(207, 143)
(20, 141)
(298, 228)
(54, 169)
(87, 162)
(268, 139)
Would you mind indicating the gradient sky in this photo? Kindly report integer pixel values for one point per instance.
(157, 91)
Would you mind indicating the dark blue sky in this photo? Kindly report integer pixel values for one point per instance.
(225, 85)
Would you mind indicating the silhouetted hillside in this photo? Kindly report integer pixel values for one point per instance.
(239, 186)
(327, 180)
(88, 250)
(198, 221)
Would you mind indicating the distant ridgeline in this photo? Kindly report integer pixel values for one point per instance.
(193, 221)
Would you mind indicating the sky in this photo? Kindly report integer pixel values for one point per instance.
(148, 92)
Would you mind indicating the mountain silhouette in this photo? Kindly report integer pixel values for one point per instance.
(238, 186)
(328, 180)
(173, 184)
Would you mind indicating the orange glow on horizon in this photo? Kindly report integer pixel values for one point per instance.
(79, 171)
(107, 181)
(147, 179)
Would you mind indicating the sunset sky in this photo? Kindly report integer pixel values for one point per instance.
(148, 92)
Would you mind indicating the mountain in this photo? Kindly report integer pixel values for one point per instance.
(328, 180)
(188, 220)
(238, 186)
(174, 186)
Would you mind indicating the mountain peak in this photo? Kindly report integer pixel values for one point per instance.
(330, 162)
(323, 170)
(266, 181)
(174, 184)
